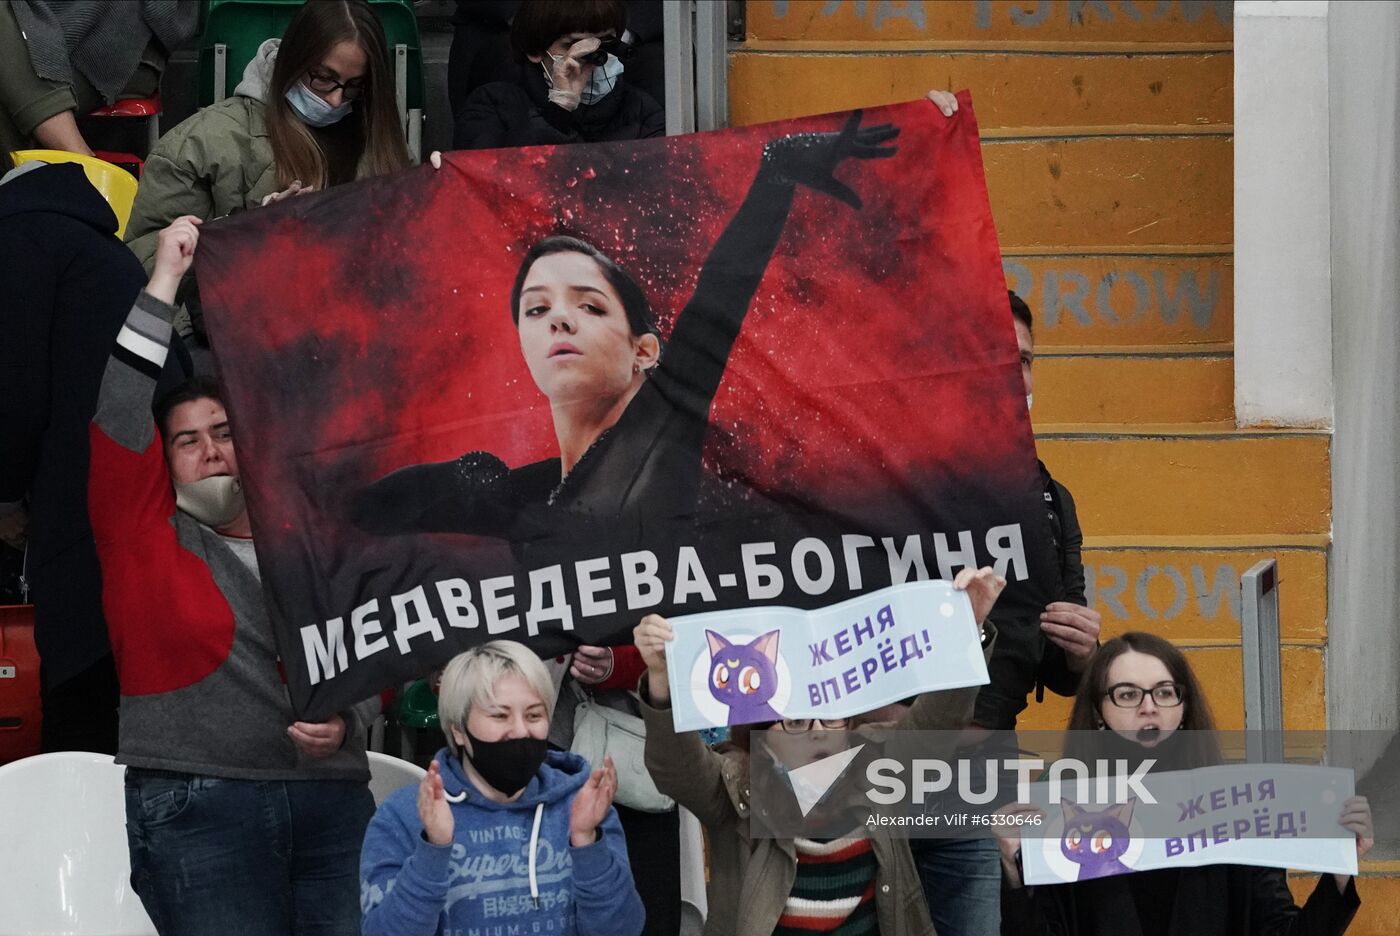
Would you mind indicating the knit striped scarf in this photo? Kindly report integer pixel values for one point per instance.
(834, 891)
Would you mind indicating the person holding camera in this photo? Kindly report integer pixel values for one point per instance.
(570, 87)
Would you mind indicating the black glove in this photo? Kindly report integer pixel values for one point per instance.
(812, 158)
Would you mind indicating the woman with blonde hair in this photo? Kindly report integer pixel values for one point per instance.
(315, 109)
(502, 832)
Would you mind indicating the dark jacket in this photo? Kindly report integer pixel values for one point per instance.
(1218, 900)
(66, 284)
(519, 113)
(1025, 659)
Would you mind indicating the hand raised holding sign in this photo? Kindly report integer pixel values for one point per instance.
(983, 587)
(1356, 818)
(651, 637)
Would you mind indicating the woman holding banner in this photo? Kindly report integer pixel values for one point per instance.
(315, 109)
(856, 877)
(1141, 699)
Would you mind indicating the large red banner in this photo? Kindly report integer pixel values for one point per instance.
(539, 393)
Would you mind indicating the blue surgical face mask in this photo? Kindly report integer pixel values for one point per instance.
(312, 109)
(600, 83)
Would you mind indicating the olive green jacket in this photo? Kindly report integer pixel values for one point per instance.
(751, 877)
(216, 162)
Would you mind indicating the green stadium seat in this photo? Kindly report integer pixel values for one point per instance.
(417, 712)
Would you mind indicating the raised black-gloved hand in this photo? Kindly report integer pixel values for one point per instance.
(812, 158)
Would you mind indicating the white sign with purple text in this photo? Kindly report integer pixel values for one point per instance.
(766, 664)
(1266, 815)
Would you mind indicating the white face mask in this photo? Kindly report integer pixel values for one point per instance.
(312, 109)
(215, 502)
(1028, 402)
(600, 84)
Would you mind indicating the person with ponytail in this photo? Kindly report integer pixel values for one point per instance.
(315, 109)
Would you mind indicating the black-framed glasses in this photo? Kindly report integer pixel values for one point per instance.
(804, 725)
(322, 83)
(1164, 694)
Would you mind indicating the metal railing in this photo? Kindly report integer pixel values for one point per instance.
(1263, 666)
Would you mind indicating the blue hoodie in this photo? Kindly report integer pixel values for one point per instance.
(485, 883)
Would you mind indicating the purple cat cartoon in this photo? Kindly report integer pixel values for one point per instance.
(1096, 840)
(745, 676)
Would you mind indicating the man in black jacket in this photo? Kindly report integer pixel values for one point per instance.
(962, 876)
(67, 283)
(1058, 651)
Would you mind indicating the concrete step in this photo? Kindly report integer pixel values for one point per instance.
(991, 21)
(1145, 385)
(1022, 91)
(1187, 589)
(1125, 300)
(1220, 671)
(1128, 192)
(1192, 480)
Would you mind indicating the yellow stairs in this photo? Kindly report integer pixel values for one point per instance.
(1107, 140)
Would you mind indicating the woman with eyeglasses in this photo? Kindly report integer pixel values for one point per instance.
(315, 109)
(1141, 691)
(849, 877)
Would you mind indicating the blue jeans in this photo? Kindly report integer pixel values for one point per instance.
(962, 882)
(215, 857)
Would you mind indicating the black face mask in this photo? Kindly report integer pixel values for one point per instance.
(507, 765)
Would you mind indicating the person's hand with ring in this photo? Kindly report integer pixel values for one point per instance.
(591, 665)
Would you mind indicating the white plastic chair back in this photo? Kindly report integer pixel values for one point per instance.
(64, 864)
(387, 774)
(694, 905)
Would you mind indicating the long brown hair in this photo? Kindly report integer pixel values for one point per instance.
(318, 27)
(1198, 747)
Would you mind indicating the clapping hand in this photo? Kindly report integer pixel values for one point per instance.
(433, 809)
(812, 158)
(591, 804)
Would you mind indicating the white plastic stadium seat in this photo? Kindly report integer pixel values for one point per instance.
(387, 774)
(64, 865)
(694, 905)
